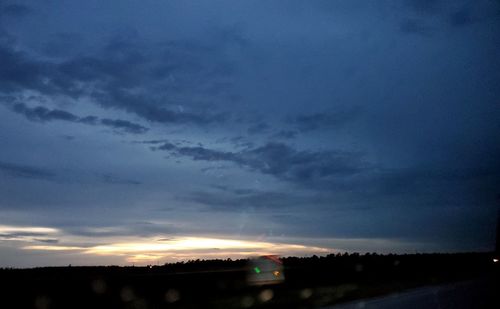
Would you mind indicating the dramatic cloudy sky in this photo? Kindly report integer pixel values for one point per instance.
(152, 131)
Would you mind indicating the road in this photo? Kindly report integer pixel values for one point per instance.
(470, 294)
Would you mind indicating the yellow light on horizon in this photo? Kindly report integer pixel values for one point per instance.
(193, 243)
(53, 248)
(183, 243)
(184, 248)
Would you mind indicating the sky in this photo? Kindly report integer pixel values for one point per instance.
(145, 132)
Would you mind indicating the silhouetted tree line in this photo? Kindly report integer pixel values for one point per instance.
(204, 282)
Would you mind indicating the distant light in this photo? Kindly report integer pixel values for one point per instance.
(306, 293)
(495, 260)
(276, 273)
(257, 270)
(266, 295)
(172, 295)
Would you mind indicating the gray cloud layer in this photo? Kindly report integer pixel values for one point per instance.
(43, 114)
(311, 120)
(24, 171)
(106, 76)
(281, 161)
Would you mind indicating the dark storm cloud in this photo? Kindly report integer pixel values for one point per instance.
(234, 191)
(179, 67)
(118, 68)
(68, 137)
(461, 17)
(355, 119)
(258, 128)
(32, 172)
(281, 161)
(324, 120)
(110, 179)
(175, 69)
(474, 12)
(198, 153)
(375, 188)
(455, 13)
(241, 142)
(62, 44)
(19, 72)
(25, 171)
(91, 120)
(415, 26)
(14, 10)
(124, 125)
(424, 6)
(22, 71)
(285, 162)
(286, 134)
(146, 107)
(152, 142)
(246, 200)
(441, 186)
(228, 198)
(43, 114)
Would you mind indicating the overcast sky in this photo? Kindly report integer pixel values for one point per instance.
(152, 131)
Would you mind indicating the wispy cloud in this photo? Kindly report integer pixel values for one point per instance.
(25, 171)
(124, 125)
(281, 161)
(28, 234)
(178, 71)
(116, 180)
(43, 114)
(329, 119)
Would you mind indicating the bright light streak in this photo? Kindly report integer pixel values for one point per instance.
(182, 248)
(27, 229)
(495, 260)
(193, 243)
(179, 244)
(53, 248)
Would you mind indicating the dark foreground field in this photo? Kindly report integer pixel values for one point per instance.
(309, 282)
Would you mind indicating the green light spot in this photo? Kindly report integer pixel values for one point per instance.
(257, 270)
